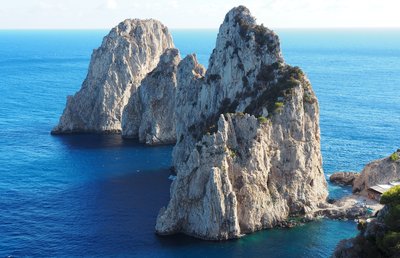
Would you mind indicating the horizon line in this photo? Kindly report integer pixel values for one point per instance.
(276, 28)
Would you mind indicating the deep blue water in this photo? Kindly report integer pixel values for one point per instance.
(88, 195)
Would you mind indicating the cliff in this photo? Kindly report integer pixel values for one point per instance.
(127, 54)
(248, 142)
(382, 171)
(149, 114)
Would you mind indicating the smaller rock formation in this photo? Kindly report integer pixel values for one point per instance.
(150, 112)
(130, 51)
(382, 171)
(343, 178)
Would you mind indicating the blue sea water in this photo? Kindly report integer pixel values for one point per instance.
(92, 195)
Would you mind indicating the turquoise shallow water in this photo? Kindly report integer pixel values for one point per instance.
(88, 195)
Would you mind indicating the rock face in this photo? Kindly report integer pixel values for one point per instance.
(130, 51)
(381, 171)
(248, 142)
(344, 178)
(149, 114)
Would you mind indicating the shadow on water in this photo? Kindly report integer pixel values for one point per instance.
(99, 141)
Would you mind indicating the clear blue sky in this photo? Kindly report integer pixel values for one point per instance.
(104, 14)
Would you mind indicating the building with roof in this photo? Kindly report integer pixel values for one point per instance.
(375, 192)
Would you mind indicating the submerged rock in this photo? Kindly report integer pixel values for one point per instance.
(149, 114)
(248, 141)
(130, 51)
(344, 178)
(382, 171)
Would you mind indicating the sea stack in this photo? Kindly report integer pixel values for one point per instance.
(128, 53)
(248, 140)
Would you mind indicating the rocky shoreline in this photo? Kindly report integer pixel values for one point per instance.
(379, 234)
(344, 178)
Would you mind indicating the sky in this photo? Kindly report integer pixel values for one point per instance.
(104, 14)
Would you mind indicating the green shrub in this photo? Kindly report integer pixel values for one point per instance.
(232, 153)
(392, 196)
(278, 105)
(308, 98)
(394, 156)
(262, 120)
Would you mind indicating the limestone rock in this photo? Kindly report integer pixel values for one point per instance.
(130, 51)
(344, 178)
(149, 114)
(237, 173)
(382, 171)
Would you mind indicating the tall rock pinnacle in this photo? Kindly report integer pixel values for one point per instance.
(248, 141)
(130, 51)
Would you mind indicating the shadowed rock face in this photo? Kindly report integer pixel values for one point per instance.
(130, 51)
(382, 171)
(150, 112)
(248, 142)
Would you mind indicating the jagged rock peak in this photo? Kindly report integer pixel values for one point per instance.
(149, 114)
(126, 55)
(243, 35)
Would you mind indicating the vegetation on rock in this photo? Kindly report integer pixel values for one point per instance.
(262, 120)
(286, 78)
(394, 156)
(392, 196)
(278, 104)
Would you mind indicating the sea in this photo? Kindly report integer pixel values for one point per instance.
(99, 196)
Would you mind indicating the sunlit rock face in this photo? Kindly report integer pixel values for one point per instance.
(127, 54)
(248, 141)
